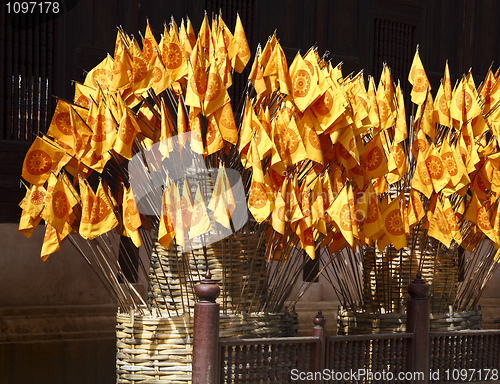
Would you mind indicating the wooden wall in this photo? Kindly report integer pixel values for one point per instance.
(361, 33)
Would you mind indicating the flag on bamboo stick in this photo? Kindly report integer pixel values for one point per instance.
(310, 138)
(197, 80)
(216, 95)
(101, 76)
(480, 215)
(340, 212)
(443, 100)
(393, 223)
(421, 179)
(84, 95)
(425, 117)
(256, 75)
(33, 202)
(374, 160)
(451, 218)
(259, 202)
(385, 101)
(51, 242)
(200, 222)
(127, 131)
(131, 217)
(243, 54)
(415, 208)
(186, 205)
(438, 173)
(166, 230)
(401, 129)
(439, 227)
(28, 224)
(195, 128)
(166, 144)
(418, 79)
(305, 89)
(102, 217)
(218, 203)
(227, 127)
(122, 64)
(59, 204)
(214, 141)
(87, 198)
(149, 45)
(367, 205)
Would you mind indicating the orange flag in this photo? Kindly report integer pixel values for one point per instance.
(28, 224)
(59, 205)
(166, 230)
(480, 215)
(443, 100)
(101, 76)
(340, 212)
(451, 218)
(149, 45)
(421, 180)
(260, 203)
(438, 225)
(305, 89)
(87, 198)
(438, 173)
(368, 209)
(227, 127)
(415, 209)
(374, 159)
(197, 80)
(142, 73)
(216, 95)
(243, 54)
(127, 131)
(200, 222)
(51, 242)
(131, 218)
(102, 217)
(34, 201)
(418, 80)
(394, 225)
(214, 138)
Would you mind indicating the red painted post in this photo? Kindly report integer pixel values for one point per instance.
(417, 322)
(319, 332)
(206, 333)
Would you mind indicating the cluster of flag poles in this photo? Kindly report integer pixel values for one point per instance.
(329, 164)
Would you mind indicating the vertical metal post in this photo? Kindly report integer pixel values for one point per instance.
(319, 332)
(417, 322)
(206, 333)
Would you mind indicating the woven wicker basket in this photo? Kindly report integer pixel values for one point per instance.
(159, 349)
(237, 264)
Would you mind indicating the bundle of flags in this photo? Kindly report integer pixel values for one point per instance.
(136, 100)
(328, 160)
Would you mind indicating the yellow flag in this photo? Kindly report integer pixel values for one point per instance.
(166, 144)
(214, 141)
(438, 225)
(131, 218)
(166, 230)
(34, 201)
(418, 79)
(256, 76)
(101, 76)
(102, 217)
(287, 140)
(218, 203)
(443, 100)
(51, 242)
(278, 219)
(87, 198)
(142, 73)
(394, 225)
(84, 95)
(28, 224)
(243, 54)
(227, 127)
(122, 63)
(197, 80)
(149, 45)
(259, 199)
(415, 209)
(374, 160)
(368, 209)
(425, 117)
(451, 218)
(438, 173)
(480, 215)
(421, 180)
(41, 159)
(127, 131)
(216, 95)
(186, 205)
(340, 212)
(195, 128)
(310, 138)
(305, 89)
(59, 205)
(200, 222)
